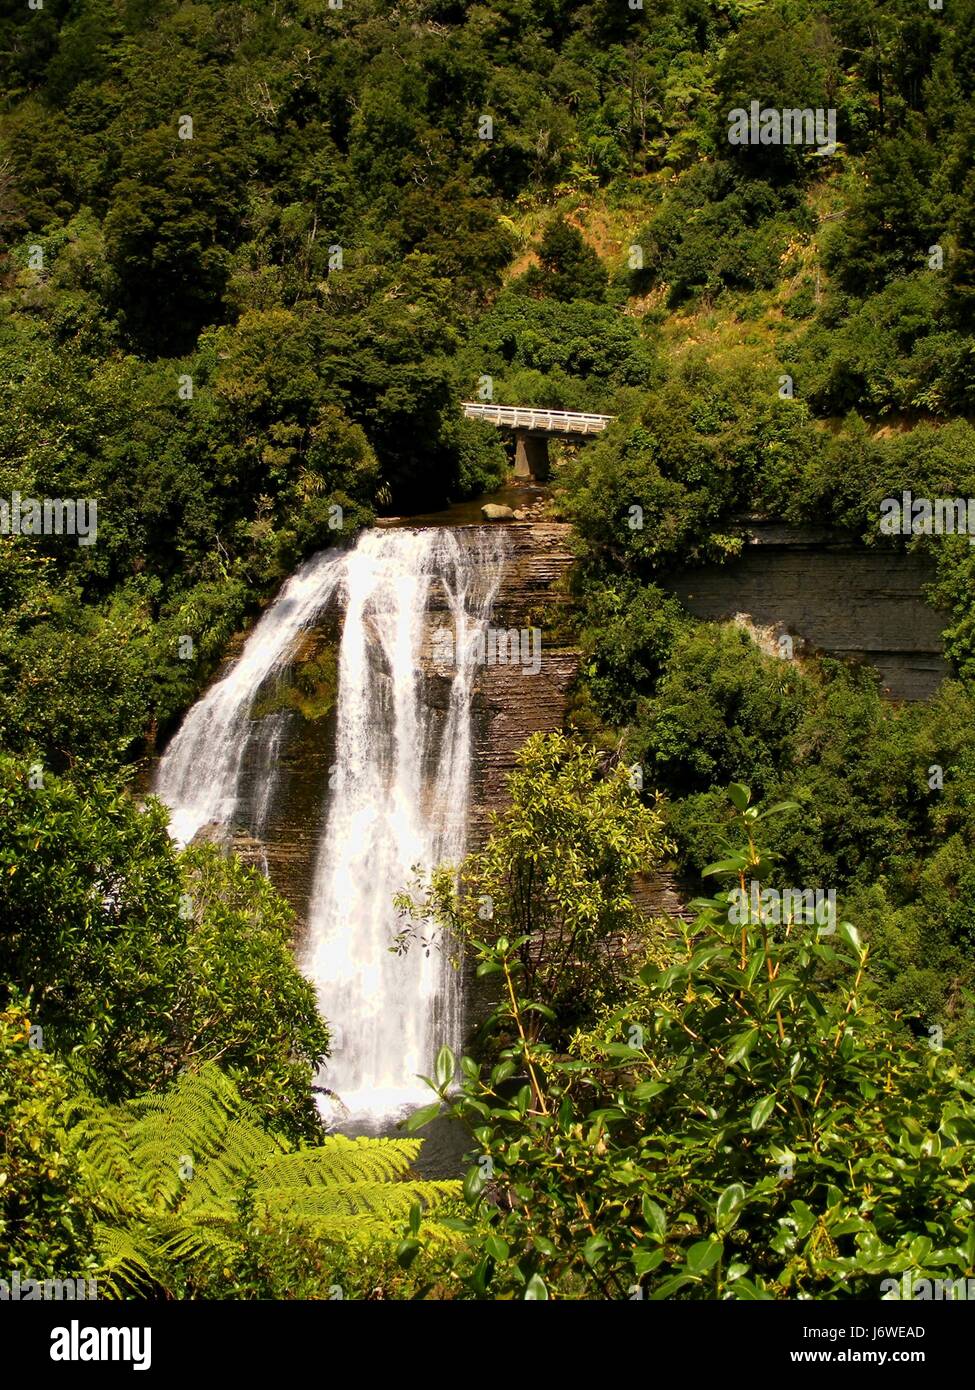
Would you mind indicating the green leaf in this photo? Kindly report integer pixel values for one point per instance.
(406, 1253)
(474, 1183)
(601, 1117)
(445, 1068)
(646, 1260)
(920, 1248)
(422, 1117)
(744, 1288)
(502, 1071)
(655, 1218)
(741, 1046)
(496, 1248)
(594, 1248)
(704, 1255)
(535, 1289)
(670, 1286)
(968, 1249)
(804, 1218)
(739, 795)
(726, 866)
(761, 1111)
(730, 1204)
(851, 936)
(648, 1089)
(479, 1277)
(543, 1009)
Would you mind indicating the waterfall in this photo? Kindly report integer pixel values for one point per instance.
(199, 776)
(400, 800)
(398, 794)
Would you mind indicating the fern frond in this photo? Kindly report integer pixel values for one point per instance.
(388, 1202)
(340, 1160)
(193, 1121)
(218, 1183)
(174, 1172)
(132, 1265)
(101, 1140)
(203, 1239)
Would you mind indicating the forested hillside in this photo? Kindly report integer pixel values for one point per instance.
(253, 256)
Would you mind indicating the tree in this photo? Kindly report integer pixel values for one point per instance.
(175, 213)
(747, 1125)
(140, 960)
(553, 880)
(721, 709)
(961, 267)
(46, 1224)
(569, 267)
(893, 220)
(569, 356)
(782, 64)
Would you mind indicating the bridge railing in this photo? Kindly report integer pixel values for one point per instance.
(529, 418)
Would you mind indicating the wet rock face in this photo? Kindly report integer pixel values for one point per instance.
(827, 594)
(213, 833)
(243, 845)
(522, 686)
(513, 701)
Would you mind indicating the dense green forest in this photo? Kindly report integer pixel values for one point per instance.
(252, 258)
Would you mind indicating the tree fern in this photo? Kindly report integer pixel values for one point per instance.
(177, 1178)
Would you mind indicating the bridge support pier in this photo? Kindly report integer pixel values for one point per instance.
(531, 456)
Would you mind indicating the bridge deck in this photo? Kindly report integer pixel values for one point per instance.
(523, 417)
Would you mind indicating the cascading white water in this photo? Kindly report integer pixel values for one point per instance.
(400, 786)
(199, 776)
(400, 800)
(268, 746)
